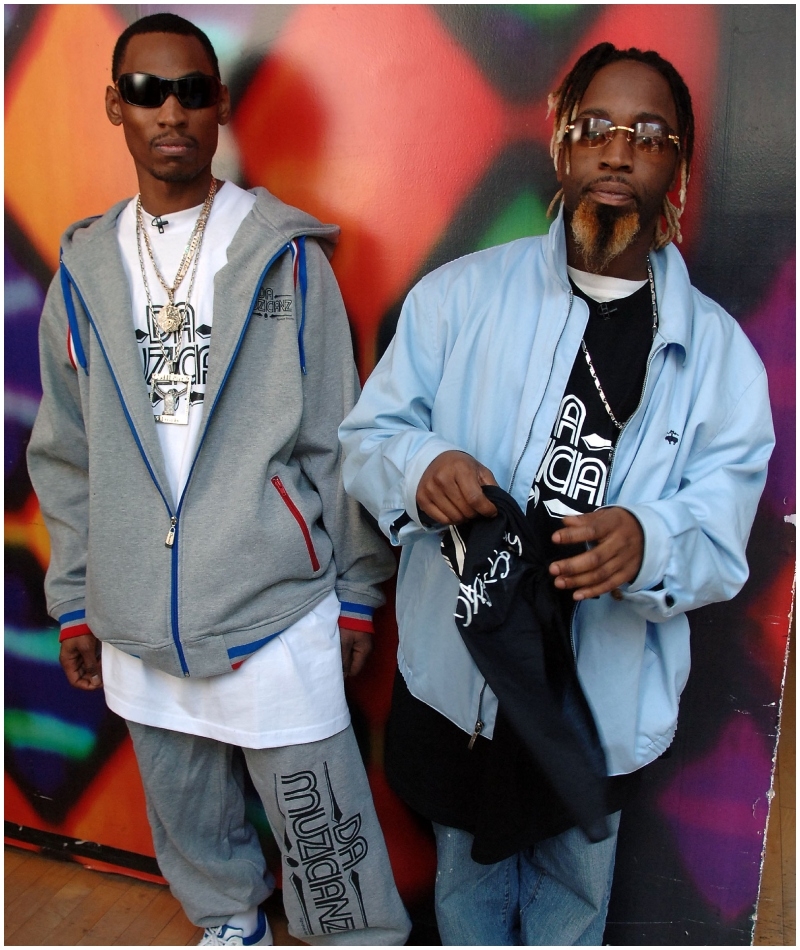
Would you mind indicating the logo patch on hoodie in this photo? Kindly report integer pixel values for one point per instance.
(276, 306)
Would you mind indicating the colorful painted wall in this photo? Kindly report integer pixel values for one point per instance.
(422, 132)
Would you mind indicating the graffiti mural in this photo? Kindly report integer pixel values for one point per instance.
(422, 132)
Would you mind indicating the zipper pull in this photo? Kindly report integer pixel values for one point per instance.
(171, 533)
(476, 732)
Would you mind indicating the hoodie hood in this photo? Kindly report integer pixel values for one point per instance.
(270, 213)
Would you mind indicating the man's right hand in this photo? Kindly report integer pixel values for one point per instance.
(80, 659)
(450, 490)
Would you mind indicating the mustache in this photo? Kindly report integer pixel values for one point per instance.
(617, 179)
(169, 137)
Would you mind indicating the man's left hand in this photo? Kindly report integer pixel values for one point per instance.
(356, 647)
(614, 558)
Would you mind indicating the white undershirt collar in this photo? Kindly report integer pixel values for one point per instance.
(603, 289)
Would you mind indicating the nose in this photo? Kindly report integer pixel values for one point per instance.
(171, 112)
(618, 153)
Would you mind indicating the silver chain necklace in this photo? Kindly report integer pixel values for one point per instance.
(599, 388)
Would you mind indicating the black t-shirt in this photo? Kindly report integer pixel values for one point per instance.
(572, 478)
(494, 789)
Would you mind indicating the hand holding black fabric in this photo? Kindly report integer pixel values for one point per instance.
(510, 619)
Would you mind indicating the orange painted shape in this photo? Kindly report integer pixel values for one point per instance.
(111, 811)
(18, 810)
(771, 610)
(375, 118)
(26, 529)
(63, 158)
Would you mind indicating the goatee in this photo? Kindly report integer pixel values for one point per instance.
(602, 232)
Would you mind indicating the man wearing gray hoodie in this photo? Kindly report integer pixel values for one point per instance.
(196, 361)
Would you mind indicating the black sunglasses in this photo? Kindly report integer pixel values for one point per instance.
(150, 92)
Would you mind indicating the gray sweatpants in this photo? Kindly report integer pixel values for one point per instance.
(337, 882)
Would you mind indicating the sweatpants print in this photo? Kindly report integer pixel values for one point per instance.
(338, 887)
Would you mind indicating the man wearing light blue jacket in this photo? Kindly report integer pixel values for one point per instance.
(627, 414)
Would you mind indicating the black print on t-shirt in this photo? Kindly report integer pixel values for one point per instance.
(573, 473)
(192, 359)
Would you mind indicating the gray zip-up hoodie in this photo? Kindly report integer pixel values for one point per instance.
(263, 529)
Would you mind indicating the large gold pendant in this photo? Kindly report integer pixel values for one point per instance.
(169, 318)
(174, 390)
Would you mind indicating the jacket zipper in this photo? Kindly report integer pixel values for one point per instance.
(172, 534)
(298, 517)
(530, 430)
(479, 723)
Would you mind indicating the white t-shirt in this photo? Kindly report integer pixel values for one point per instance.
(604, 289)
(291, 690)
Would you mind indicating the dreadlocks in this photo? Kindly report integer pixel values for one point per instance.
(566, 100)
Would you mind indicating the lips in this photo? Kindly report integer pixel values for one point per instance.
(174, 146)
(611, 191)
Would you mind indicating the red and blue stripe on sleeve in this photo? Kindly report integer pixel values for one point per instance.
(356, 617)
(72, 625)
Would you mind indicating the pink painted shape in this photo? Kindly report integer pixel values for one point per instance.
(717, 809)
(772, 331)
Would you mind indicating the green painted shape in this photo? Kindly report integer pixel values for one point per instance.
(526, 216)
(543, 14)
(41, 645)
(30, 730)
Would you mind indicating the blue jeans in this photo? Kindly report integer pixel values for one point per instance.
(552, 894)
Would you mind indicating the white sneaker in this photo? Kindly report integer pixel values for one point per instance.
(225, 936)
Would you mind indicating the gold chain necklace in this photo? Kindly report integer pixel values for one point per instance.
(172, 387)
(170, 317)
(599, 388)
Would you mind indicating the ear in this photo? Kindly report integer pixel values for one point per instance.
(224, 106)
(113, 108)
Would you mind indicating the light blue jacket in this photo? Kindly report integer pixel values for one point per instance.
(480, 360)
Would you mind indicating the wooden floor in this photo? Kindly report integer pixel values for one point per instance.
(60, 903)
(54, 903)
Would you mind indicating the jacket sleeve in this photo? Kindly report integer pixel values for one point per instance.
(387, 438)
(695, 541)
(330, 389)
(58, 464)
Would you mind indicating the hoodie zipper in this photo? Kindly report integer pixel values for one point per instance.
(171, 540)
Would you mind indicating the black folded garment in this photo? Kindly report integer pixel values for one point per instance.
(510, 618)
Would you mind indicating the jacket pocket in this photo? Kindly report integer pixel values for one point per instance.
(295, 512)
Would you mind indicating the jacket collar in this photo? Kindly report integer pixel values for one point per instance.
(673, 286)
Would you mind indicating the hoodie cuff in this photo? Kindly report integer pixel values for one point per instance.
(356, 617)
(73, 624)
